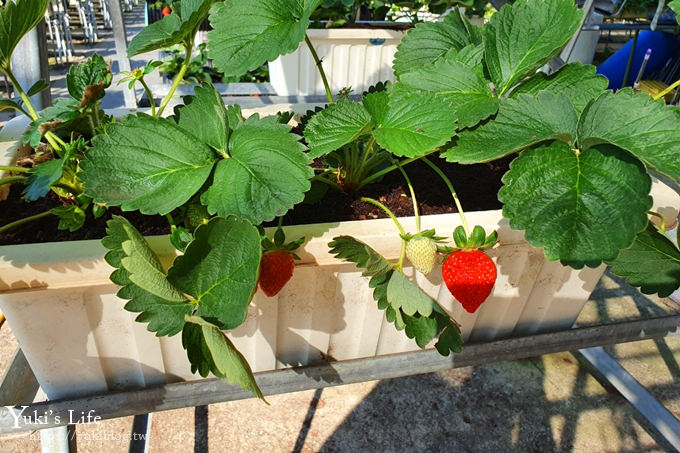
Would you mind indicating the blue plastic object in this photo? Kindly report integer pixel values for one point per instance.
(614, 67)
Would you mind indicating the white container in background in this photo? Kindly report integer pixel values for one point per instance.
(354, 57)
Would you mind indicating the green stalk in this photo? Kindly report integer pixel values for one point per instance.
(393, 167)
(171, 221)
(367, 151)
(413, 194)
(95, 122)
(22, 93)
(402, 253)
(662, 220)
(387, 211)
(327, 87)
(95, 110)
(90, 121)
(16, 223)
(178, 78)
(147, 90)
(68, 187)
(51, 139)
(12, 180)
(14, 169)
(453, 193)
(333, 184)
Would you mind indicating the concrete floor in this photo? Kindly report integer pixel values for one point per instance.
(549, 403)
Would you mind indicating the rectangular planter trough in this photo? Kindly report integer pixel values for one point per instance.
(79, 340)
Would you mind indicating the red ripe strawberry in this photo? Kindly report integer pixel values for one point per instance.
(276, 268)
(165, 11)
(470, 276)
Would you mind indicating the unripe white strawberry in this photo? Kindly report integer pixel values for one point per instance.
(422, 252)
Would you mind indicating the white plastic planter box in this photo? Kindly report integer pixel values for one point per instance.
(350, 57)
(79, 340)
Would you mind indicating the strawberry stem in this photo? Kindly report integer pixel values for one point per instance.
(396, 222)
(319, 66)
(662, 219)
(413, 193)
(188, 47)
(387, 211)
(453, 193)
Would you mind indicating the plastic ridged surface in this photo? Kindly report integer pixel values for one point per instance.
(80, 340)
(348, 62)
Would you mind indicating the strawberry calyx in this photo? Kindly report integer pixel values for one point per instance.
(279, 243)
(477, 240)
(430, 234)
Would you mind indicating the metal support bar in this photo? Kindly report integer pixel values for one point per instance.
(141, 433)
(30, 64)
(18, 384)
(209, 391)
(587, 11)
(61, 439)
(120, 39)
(636, 394)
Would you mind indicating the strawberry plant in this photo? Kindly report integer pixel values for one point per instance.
(66, 126)
(583, 158)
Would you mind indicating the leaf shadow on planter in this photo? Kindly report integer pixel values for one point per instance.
(20, 261)
(301, 320)
(97, 364)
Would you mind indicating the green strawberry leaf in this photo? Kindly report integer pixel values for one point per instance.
(636, 123)
(675, 6)
(458, 84)
(427, 43)
(580, 83)
(394, 293)
(471, 55)
(652, 263)
(449, 336)
(457, 19)
(426, 329)
(71, 218)
(62, 113)
(266, 174)
(175, 28)
(219, 270)
(162, 33)
(6, 104)
(209, 349)
(247, 34)
(421, 328)
(41, 179)
(17, 18)
(147, 164)
(583, 208)
(164, 307)
(180, 238)
(205, 116)
(86, 81)
(521, 38)
(409, 298)
(335, 126)
(38, 87)
(520, 123)
(410, 124)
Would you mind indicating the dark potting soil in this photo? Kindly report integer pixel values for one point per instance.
(477, 187)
